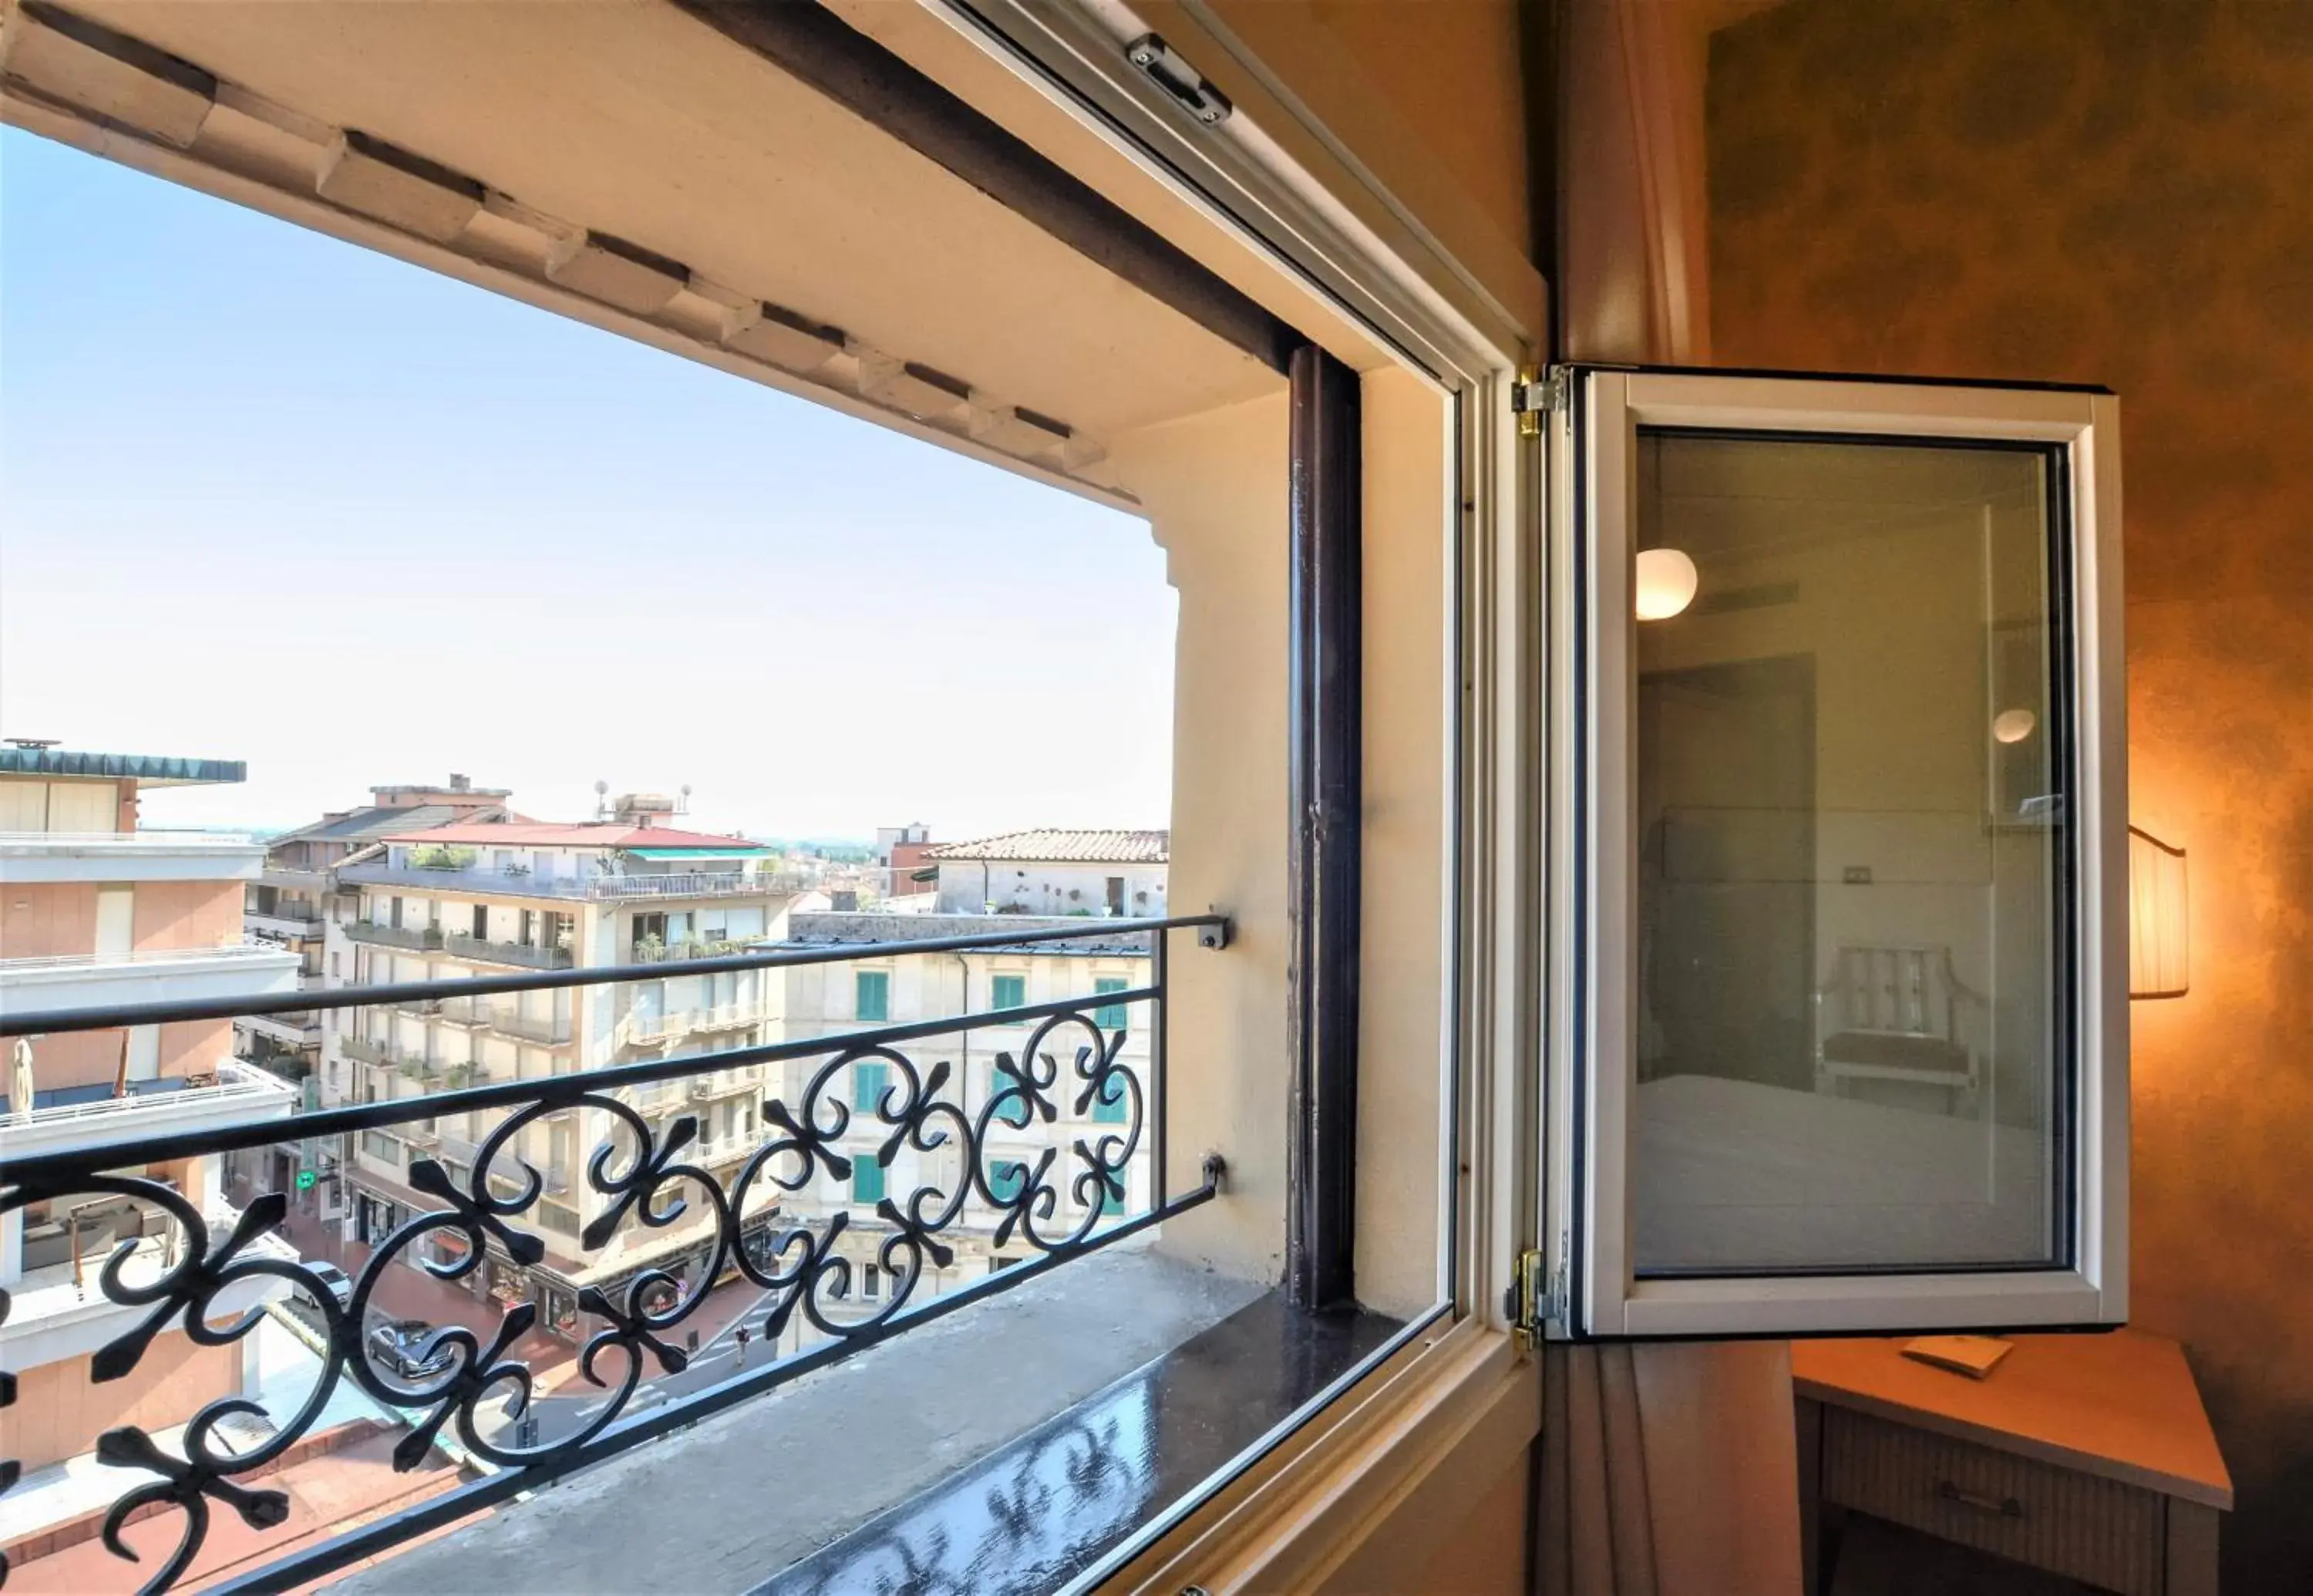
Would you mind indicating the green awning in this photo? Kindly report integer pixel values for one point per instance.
(146, 770)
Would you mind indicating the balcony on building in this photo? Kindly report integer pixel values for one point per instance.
(598, 862)
(38, 984)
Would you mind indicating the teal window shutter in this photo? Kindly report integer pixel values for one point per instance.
(866, 1180)
(1110, 1016)
(1007, 992)
(1015, 1111)
(1109, 1105)
(869, 1076)
(1006, 1178)
(871, 994)
(1111, 1204)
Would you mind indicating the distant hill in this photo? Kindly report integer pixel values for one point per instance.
(849, 850)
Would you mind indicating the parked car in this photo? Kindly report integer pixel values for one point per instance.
(398, 1346)
(333, 1278)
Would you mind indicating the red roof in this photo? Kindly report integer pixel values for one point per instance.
(600, 834)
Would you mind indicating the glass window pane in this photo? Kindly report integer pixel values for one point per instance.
(1852, 837)
(1007, 992)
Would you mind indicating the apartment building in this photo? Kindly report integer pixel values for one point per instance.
(1053, 871)
(484, 898)
(290, 905)
(886, 983)
(96, 910)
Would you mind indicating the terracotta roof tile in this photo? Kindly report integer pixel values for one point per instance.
(1054, 845)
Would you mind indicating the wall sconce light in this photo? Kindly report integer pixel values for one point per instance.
(2159, 944)
(1666, 580)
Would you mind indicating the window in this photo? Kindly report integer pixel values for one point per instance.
(1007, 992)
(1111, 1105)
(869, 1080)
(1005, 1176)
(481, 923)
(1110, 1016)
(143, 1062)
(871, 1282)
(396, 921)
(1838, 1051)
(1111, 1203)
(116, 922)
(528, 934)
(871, 994)
(1015, 1111)
(378, 1145)
(866, 1179)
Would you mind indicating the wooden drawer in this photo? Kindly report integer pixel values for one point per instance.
(2079, 1525)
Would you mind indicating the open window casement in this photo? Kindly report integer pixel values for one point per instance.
(1841, 1025)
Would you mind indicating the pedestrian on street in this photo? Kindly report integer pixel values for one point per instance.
(743, 1339)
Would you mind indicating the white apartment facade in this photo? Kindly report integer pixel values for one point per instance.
(496, 897)
(290, 905)
(884, 984)
(1055, 871)
(95, 910)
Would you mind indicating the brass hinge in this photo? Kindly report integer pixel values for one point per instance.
(1535, 394)
(1527, 1304)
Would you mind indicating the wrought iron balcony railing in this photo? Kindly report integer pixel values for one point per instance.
(748, 1200)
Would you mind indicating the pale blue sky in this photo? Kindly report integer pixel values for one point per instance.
(267, 495)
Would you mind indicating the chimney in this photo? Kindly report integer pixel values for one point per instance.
(459, 783)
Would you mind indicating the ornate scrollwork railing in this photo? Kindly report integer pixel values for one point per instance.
(1039, 1163)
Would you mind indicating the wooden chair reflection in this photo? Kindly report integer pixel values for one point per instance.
(1895, 1013)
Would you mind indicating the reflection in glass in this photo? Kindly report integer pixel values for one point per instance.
(1850, 830)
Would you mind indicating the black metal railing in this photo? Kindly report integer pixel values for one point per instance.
(759, 1220)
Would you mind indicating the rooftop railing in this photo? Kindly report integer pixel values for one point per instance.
(236, 1082)
(149, 836)
(157, 958)
(1057, 1203)
(520, 881)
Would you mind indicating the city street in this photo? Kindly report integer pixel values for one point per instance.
(570, 1406)
(565, 1401)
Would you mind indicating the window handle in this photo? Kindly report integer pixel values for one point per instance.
(2007, 1507)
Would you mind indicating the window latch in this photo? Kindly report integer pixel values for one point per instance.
(1170, 72)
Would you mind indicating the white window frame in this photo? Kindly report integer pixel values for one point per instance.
(1593, 1063)
(1452, 1407)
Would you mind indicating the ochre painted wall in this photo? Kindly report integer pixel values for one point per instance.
(187, 915)
(43, 919)
(60, 1414)
(2120, 192)
(39, 919)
